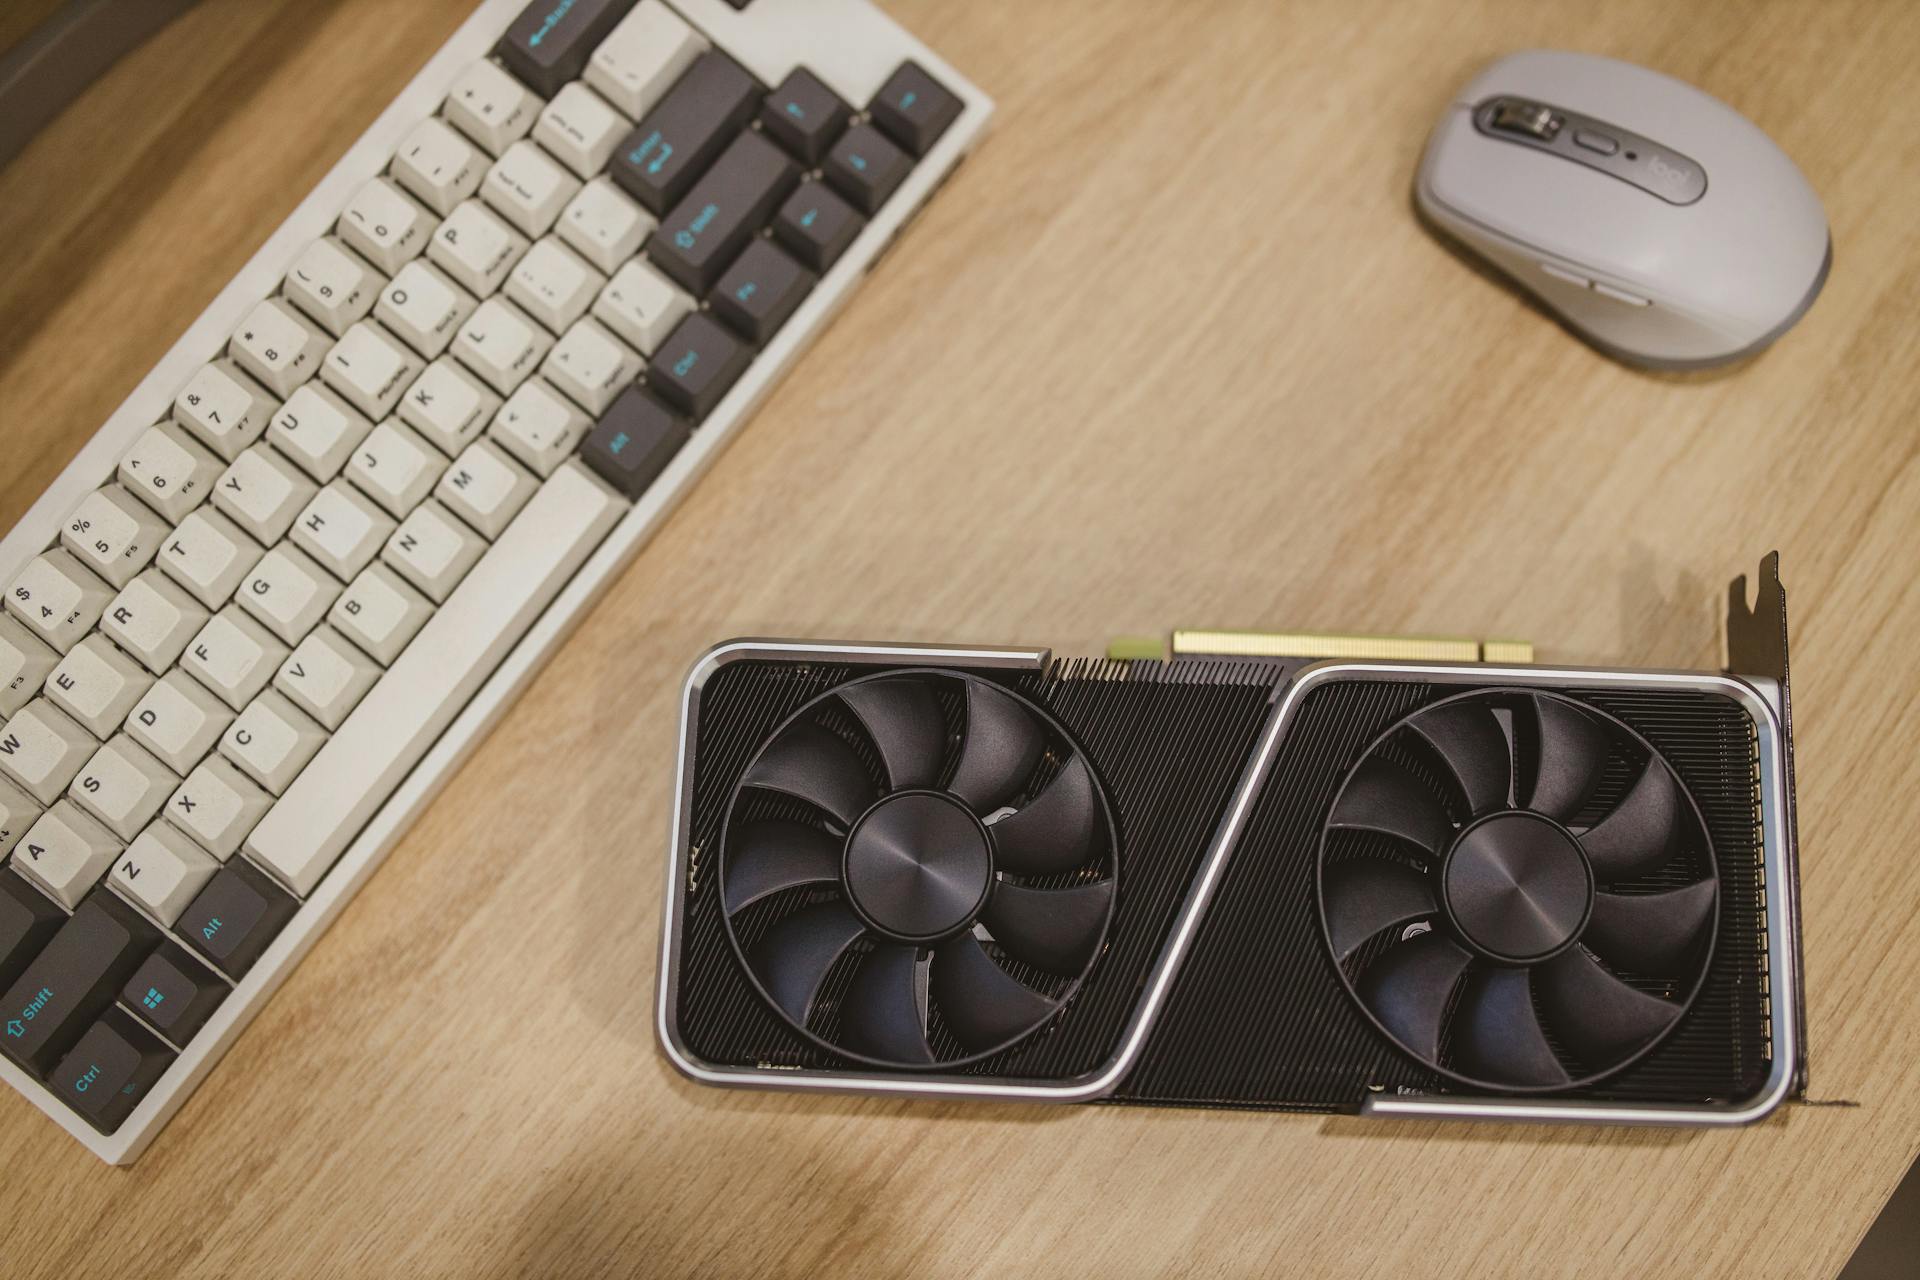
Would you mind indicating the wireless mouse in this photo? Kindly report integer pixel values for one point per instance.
(1657, 222)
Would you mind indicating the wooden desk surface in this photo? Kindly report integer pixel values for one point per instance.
(1171, 350)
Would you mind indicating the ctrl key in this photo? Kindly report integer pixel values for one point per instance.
(110, 1071)
(236, 916)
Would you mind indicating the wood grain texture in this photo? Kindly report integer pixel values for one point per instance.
(1171, 349)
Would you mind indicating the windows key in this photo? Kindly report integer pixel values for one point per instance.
(174, 994)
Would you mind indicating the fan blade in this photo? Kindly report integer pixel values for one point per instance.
(1384, 797)
(1497, 1033)
(793, 959)
(1001, 747)
(1595, 1014)
(1471, 743)
(1055, 832)
(1408, 987)
(1365, 896)
(1637, 836)
(812, 764)
(1052, 929)
(1572, 750)
(980, 1001)
(1648, 932)
(881, 1015)
(904, 722)
(771, 856)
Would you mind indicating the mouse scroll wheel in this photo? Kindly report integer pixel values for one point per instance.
(1529, 118)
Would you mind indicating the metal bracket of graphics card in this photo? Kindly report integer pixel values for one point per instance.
(1757, 646)
(1288, 696)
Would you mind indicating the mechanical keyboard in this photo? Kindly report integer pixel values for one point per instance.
(267, 609)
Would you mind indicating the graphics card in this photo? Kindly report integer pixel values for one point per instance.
(1255, 871)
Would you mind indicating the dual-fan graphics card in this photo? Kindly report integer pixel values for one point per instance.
(1243, 874)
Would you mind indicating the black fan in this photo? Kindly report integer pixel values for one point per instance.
(1515, 908)
(948, 857)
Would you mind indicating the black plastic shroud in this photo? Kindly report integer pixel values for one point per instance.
(1257, 1016)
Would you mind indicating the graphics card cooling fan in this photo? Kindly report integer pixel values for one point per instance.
(918, 869)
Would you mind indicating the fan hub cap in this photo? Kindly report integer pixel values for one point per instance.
(918, 866)
(1517, 887)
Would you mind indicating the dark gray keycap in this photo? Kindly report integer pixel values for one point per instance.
(719, 215)
(816, 225)
(73, 980)
(28, 920)
(239, 912)
(913, 108)
(111, 1070)
(804, 116)
(759, 291)
(551, 40)
(697, 365)
(173, 993)
(866, 168)
(707, 105)
(634, 441)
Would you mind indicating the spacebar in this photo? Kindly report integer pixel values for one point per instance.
(428, 684)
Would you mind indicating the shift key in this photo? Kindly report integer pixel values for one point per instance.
(708, 228)
(73, 981)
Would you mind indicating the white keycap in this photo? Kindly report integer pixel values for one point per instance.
(485, 489)
(25, 664)
(123, 786)
(65, 853)
(17, 813)
(423, 308)
(642, 57)
(371, 369)
(528, 188)
(501, 344)
(179, 720)
(57, 598)
(354, 773)
(280, 347)
(438, 166)
(581, 129)
(641, 306)
(380, 613)
(223, 408)
(41, 748)
(153, 618)
(113, 533)
(491, 107)
(262, 493)
(553, 285)
(97, 685)
(333, 284)
(433, 551)
(396, 468)
(217, 805)
(287, 592)
(341, 529)
(592, 367)
(163, 871)
(272, 741)
(476, 248)
(539, 426)
(448, 406)
(169, 472)
(318, 430)
(234, 656)
(208, 555)
(604, 225)
(385, 225)
(326, 677)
